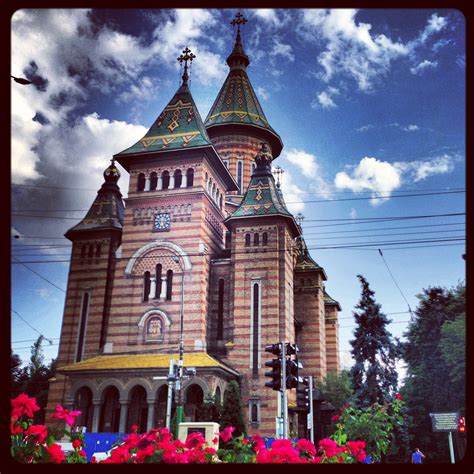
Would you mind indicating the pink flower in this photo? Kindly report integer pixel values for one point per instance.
(56, 454)
(76, 444)
(82, 453)
(66, 415)
(258, 442)
(398, 396)
(306, 447)
(195, 440)
(37, 431)
(134, 427)
(23, 404)
(335, 418)
(227, 433)
(215, 440)
(328, 446)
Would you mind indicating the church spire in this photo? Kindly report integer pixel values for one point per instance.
(238, 58)
(186, 57)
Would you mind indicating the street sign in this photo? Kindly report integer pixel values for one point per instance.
(444, 421)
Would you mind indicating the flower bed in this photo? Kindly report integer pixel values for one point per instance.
(36, 444)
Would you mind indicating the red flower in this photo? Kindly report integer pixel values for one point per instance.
(93, 460)
(398, 396)
(215, 440)
(56, 454)
(335, 418)
(76, 444)
(82, 453)
(258, 442)
(23, 404)
(37, 431)
(328, 447)
(227, 433)
(66, 415)
(307, 447)
(195, 440)
(134, 427)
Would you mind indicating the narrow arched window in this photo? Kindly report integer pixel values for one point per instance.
(153, 181)
(166, 179)
(254, 165)
(90, 253)
(97, 251)
(169, 284)
(220, 311)
(256, 240)
(141, 182)
(240, 176)
(220, 202)
(83, 251)
(247, 240)
(146, 286)
(264, 238)
(255, 326)
(178, 178)
(190, 176)
(158, 281)
(82, 326)
(228, 237)
(254, 413)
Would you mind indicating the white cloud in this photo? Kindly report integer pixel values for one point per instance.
(371, 174)
(352, 50)
(353, 213)
(364, 128)
(421, 169)
(423, 66)
(325, 99)
(411, 128)
(269, 15)
(292, 193)
(262, 93)
(281, 49)
(44, 293)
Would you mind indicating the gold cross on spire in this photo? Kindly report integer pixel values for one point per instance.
(239, 20)
(187, 56)
(278, 171)
(299, 218)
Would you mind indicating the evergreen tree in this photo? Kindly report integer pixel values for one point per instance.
(374, 375)
(232, 414)
(210, 410)
(435, 358)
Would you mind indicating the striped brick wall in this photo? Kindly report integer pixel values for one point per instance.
(332, 339)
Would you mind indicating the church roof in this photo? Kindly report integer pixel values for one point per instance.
(145, 361)
(179, 126)
(107, 210)
(263, 198)
(328, 301)
(237, 103)
(305, 262)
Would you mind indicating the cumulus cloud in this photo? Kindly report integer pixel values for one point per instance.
(411, 128)
(423, 66)
(352, 50)
(325, 99)
(382, 178)
(283, 50)
(364, 128)
(353, 213)
(292, 193)
(44, 293)
(262, 93)
(370, 174)
(270, 16)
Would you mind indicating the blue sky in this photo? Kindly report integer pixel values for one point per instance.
(370, 105)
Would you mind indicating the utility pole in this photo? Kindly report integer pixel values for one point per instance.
(284, 397)
(171, 379)
(310, 419)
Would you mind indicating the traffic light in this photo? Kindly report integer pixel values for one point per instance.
(291, 349)
(275, 374)
(275, 364)
(302, 394)
(292, 378)
(461, 424)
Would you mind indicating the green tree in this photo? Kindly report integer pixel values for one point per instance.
(435, 359)
(232, 414)
(337, 388)
(210, 410)
(374, 375)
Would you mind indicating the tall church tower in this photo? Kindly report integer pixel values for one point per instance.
(237, 124)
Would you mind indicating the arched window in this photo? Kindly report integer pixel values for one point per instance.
(220, 202)
(178, 178)
(153, 181)
(169, 284)
(254, 413)
(254, 165)
(158, 281)
(217, 395)
(247, 240)
(138, 410)
(220, 311)
(256, 240)
(240, 176)
(255, 326)
(228, 237)
(264, 238)
(82, 326)
(190, 177)
(146, 286)
(83, 403)
(97, 251)
(110, 411)
(83, 250)
(166, 179)
(213, 191)
(141, 182)
(90, 252)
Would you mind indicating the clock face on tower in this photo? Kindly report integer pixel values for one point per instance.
(162, 222)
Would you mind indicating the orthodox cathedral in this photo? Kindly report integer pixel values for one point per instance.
(202, 263)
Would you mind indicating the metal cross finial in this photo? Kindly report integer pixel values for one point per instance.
(239, 20)
(186, 57)
(299, 218)
(278, 171)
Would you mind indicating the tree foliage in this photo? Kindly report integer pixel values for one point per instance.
(337, 388)
(435, 358)
(232, 414)
(375, 351)
(211, 409)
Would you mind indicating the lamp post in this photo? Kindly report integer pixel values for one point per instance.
(179, 379)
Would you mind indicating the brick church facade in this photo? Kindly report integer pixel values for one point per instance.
(203, 248)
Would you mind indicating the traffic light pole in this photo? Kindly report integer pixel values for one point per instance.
(310, 414)
(451, 450)
(170, 394)
(284, 397)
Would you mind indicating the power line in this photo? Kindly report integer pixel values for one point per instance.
(387, 314)
(33, 340)
(395, 281)
(34, 329)
(52, 187)
(392, 322)
(28, 347)
(41, 276)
